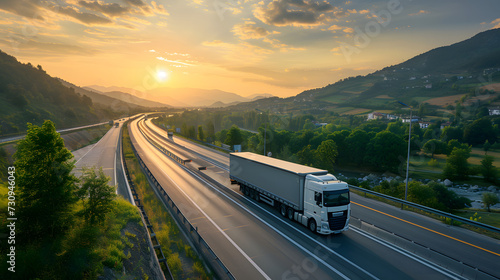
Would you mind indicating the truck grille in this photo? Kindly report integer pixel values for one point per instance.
(337, 220)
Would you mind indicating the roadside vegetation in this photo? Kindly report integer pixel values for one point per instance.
(64, 229)
(184, 263)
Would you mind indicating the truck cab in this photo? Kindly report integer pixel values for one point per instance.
(327, 204)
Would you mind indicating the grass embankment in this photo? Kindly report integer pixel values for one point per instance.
(181, 258)
(81, 253)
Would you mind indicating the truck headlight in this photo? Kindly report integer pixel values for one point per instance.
(324, 225)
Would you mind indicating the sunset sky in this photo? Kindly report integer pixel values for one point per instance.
(281, 47)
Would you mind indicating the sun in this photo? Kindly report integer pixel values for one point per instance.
(161, 75)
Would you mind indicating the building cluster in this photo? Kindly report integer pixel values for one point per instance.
(406, 119)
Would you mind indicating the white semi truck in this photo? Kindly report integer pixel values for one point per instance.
(305, 194)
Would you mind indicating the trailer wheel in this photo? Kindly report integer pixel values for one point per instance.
(290, 213)
(257, 196)
(312, 225)
(246, 191)
(283, 210)
(252, 194)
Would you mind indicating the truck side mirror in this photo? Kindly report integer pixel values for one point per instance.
(318, 198)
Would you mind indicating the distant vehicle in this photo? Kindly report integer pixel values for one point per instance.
(117, 124)
(110, 122)
(308, 195)
(170, 134)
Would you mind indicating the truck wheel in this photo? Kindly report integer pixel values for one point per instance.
(246, 191)
(290, 213)
(283, 210)
(312, 225)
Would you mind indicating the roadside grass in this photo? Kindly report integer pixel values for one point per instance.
(182, 262)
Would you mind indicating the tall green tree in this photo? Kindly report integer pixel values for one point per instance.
(357, 143)
(457, 166)
(435, 146)
(479, 131)
(488, 171)
(386, 151)
(201, 135)
(46, 187)
(489, 199)
(234, 136)
(210, 131)
(327, 153)
(97, 196)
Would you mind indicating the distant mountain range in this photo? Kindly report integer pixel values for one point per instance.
(450, 71)
(29, 94)
(181, 97)
(127, 97)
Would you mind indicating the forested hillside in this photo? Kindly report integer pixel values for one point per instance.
(29, 94)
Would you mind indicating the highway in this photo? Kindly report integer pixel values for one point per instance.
(283, 249)
(106, 154)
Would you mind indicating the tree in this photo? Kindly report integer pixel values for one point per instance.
(452, 132)
(46, 187)
(386, 151)
(210, 131)
(422, 194)
(487, 169)
(434, 146)
(357, 143)
(201, 135)
(479, 131)
(97, 196)
(457, 165)
(306, 156)
(327, 153)
(191, 133)
(455, 144)
(489, 199)
(486, 147)
(234, 136)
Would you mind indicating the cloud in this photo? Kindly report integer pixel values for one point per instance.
(249, 31)
(179, 62)
(302, 13)
(34, 47)
(335, 27)
(496, 23)
(111, 9)
(25, 8)
(348, 30)
(86, 18)
(421, 12)
(137, 3)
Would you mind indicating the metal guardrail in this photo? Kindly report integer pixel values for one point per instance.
(430, 210)
(209, 255)
(152, 235)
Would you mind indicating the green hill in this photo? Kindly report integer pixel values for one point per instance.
(452, 71)
(29, 94)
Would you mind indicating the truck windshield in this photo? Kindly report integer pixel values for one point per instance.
(336, 198)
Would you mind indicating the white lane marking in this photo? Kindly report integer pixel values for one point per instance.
(217, 226)
(409, 255)
(399, 250)
(92, 147)
(281, 233)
